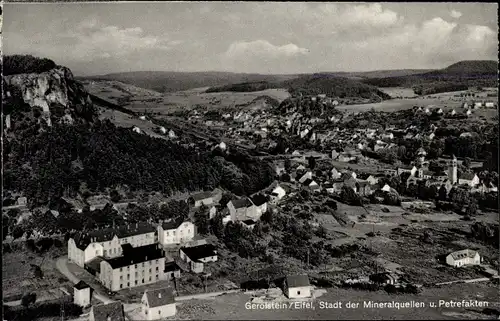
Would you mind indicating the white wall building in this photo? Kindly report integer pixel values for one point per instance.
(158, 304)
(175, 232)
(82, 294)
(297, 286)
(107, 242)
(463, 258)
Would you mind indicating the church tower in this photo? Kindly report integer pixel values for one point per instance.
(452, 171)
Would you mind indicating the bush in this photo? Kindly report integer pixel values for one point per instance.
(28, 299)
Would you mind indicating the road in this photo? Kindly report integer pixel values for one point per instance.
(62, 266)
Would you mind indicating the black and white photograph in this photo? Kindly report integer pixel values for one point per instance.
(249, 160)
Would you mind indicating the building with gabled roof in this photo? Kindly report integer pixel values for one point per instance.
(107, 312)
(85, 246)
(82, 294)
(158, 304)
(297, 286)
(243, 209)
(196, 256)
(463, 258)
(470, 179)
(136, 267)
(176, 231)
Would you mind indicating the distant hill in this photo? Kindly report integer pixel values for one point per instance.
(379, 73)
(165, 81)
(333, 86)
(321, 83)
(460, 75)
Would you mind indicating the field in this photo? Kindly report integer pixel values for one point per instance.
(399, 92)
(140, 100)
(232, 306)
(18, 279)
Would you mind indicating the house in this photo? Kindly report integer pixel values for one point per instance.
(386, 188)
(202, 198)
(463, 258)
(212, 211)
(306, 176)
(328, 187)
(163, 130)
(82, 294)
(175, 231)
(468, 112)
(337, 186)
(136, 129)
(277, 194)
(260, 201)
(310, 183)
(85, 246)
(364, 188)
(489, 105)
(172, 270)
(171, 134)
(335, 154)
(478, 104)
(279, 168)
(470, 179)
(107, 312)
(296, 153)
(335, 174)
(300, 168)
(222, 146)
(158, 304)
(439, 111)
(142, 117)
(453, 112)
(136, 267)
(349, 181)
(372, 180)
(297, 286)
(242, 209)
(196, 256)
(411, 170)
(22, 201)
(385, 278)
(249, 224)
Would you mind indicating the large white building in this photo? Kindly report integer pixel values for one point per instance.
(175, 232)
(463, 257)
(243, 209)
(137, 266)
(107, 243)
(158, 304)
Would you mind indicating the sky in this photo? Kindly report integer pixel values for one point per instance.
(251, 37)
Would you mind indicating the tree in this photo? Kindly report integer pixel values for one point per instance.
(466, 163)
(321, 232)
(115, 196)
(28, 299)
(472, 209)
(217, 226)
(349, 196)
(201, 219)
(288, 164)
(17, 232)
(442, 193)
(267, 217)
(312, 162)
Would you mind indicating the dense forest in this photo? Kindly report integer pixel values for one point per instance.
(333, 87)
(243, 87)
(23, 64)
(459, 75)
(64, 160)
(436, 88)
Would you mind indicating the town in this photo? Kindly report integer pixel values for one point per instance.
(269, 188)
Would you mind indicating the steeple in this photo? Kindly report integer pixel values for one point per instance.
(452, 170)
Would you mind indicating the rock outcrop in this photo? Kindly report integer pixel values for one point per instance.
(54, 89)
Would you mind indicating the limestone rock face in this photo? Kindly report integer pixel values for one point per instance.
(56, 87)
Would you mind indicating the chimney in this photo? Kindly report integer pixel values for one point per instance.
(109, 318)
(146, 257)
(159, 295)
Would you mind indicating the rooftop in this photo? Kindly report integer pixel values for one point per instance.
(160, 297)
(199, 252)
(135, 255)
(259, 199)
(171, 266)
(82, 240)
(202, 196)
(81, 285)
(463, 254)
(172, 224)
(111, 311)
(297, 280)
(241, 203)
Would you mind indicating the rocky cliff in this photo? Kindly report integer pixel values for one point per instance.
(55, 92)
